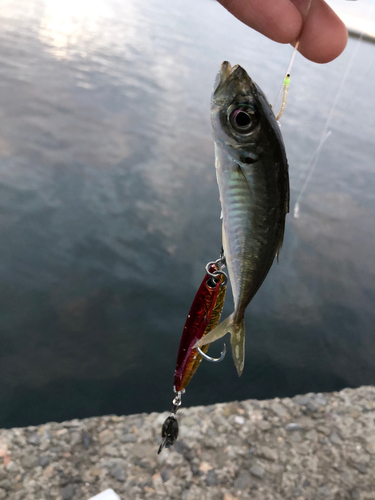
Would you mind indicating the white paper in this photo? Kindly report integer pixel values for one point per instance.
(106, 495)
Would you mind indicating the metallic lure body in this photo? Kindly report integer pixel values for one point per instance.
(252, 174)
(204, 315)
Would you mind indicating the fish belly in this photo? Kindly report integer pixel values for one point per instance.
(250, 227)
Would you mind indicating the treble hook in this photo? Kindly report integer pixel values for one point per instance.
(213, 360)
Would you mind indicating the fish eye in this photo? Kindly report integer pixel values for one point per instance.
(242, 119)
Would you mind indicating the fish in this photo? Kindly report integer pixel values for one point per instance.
(253, 180)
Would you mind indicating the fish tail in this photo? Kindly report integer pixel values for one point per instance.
(237, 339)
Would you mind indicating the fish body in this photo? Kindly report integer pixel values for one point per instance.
(252, 175)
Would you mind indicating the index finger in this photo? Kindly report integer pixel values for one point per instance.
(323, 36)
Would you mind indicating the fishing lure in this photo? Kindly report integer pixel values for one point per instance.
(204, 315)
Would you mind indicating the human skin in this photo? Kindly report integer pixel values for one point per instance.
(322, 35)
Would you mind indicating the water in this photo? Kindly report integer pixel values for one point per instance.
(109, 211)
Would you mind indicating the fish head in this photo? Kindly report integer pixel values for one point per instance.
(243, 122)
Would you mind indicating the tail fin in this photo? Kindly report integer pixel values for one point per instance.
(237, 339)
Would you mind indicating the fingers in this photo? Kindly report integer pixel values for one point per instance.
(278, 20)
(323, 35)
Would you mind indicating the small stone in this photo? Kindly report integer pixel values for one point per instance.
(34, 439)
(239, 420)
(354, 413)
(5, 484)
(61, 432)
(301, 400)
(67, 492)
(211, 478)
(312, 435)
(48, 472)
(3, 474)
(106, 436)
(320, 400)
(44, 445)
(205, 467)
(166, 475)
(243, 480)
(306, 483)
(188, 422)
(86, 440)
(11, 467)
(293, 427)
(268, 453)
(20, 441)
(302, 448)
(355, 494)
(117, 418)
(264, 425)
(359, 467)
(335, 438)
(44, 460)
(278, 409)
(29, 461)
(129, 438)
(296, 437)
(148, 489)
(158, 484)
(180, 447)
(140, 450)
(257, 471)
(323, 491)
(324, 430)
(75, 438)
(230, 409)
(311, 406)
(3, 493)
(307, 422)
(118, 472)
(95, 472)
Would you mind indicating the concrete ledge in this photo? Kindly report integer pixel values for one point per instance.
(318, 446)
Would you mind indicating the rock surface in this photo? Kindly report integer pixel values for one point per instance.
(310, 447)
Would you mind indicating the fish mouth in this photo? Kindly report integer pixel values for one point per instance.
(226, 70)
(237, 73)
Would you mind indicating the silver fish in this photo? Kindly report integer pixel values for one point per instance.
(252, 174)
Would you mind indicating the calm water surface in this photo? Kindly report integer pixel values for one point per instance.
(109, 210)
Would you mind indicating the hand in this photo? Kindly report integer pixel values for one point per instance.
(323, 36)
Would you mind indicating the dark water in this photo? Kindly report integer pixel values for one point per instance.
(109, 210)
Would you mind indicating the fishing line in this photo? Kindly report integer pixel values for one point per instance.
(287, 74)
(312, 162)
(286, 82)
(326, 133)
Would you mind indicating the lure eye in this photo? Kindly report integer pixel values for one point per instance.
(242, 119)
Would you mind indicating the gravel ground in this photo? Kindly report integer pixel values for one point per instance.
(311, 447)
